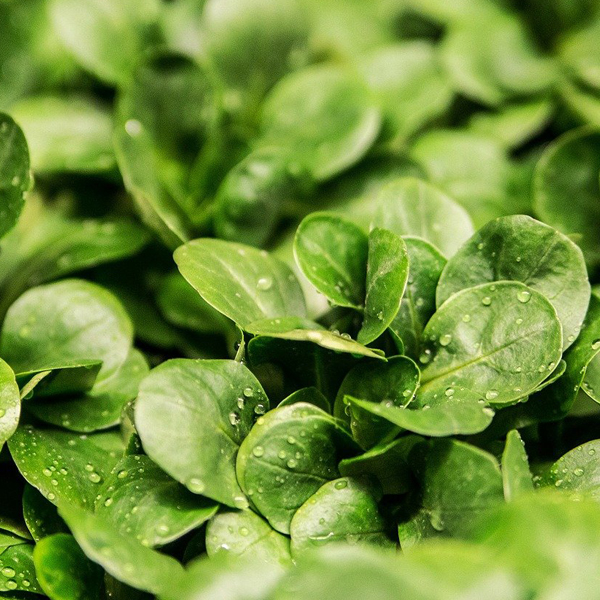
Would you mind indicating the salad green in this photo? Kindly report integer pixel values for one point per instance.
(299, 299)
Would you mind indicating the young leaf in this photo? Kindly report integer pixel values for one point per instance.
(64, 571)
(244, 533)
(17, 571)
(14, 172)
(518, 248)
(287, 456)
(143, 502)
(10, 403)
(192, 416)
(499, 340)
(123, 557)
(411, 207)
(341, 510)
(516, 476)
(241, 282)
(387, 274)
(332, 253)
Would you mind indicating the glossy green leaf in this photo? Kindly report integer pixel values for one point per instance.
(40, 515)
(66, 134)
(332, 253)
(17, 571)
(516, 476)
(192, 416)
(499, 340)
(519, 248)
(408, 81)
(341, 510)
(63, 466)
(331, 132)
(413, 207)
(123, 557)
(10, 403)
(241, 282)
(14, 172)
(81, 320)
(387, 463)
(64, 571)
(143, 502)
(591, 381)
(387, 275)
(287, 456)
(311, 395)
(99, 25)
(244, 533)
(418, 302)
(566, 189)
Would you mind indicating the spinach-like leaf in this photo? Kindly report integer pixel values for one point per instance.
(516, 476)
(341, 510)
(241, 282)
(64, 571)
(143, 502)
(287, 456)
(413, 207)
(192, 416)
(499, 340)
(10, 403)
(518, 248)
(17, 571)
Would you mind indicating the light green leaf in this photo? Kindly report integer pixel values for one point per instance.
(499, 340)
(241, 282)
(192, 416)
(413, 207)
(516, 476)
(519, 248)
(10, 403)
(17, 571)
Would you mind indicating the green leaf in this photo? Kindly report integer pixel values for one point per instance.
(387, 464)
(459, 482)
(17, 572)
(332, 253)
(81, 321)
(241, 282)
(412, 207)
(393, 383)
(192, 416)
(577, 472)
(276, 32)
(64, 572)
(566, 189)
(579, 51)
(100, 23)
(418, 302)
(409, 84)
(63, 466)
(341, 510)
(331, 132)
(499, 340)
(40, 515)
(14, 172)
(519, 248)
(244, 533)
(287, 456)
(10, 403)
(387, 274)
(143, 502)
(66, 134)
(591, 381)
(516, 476)
(311, 395)
(471, 168)
(252, 196)
(123, 557)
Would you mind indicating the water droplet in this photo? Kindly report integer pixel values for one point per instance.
(47, 472)
(486, 301)
(292, 463)
(596, 345)
(8, 572)
(291, 440)
(108, 502)
(196, 485)
(425, 357)
(241, 502)
(380, 315)
(258, 451)
(578, 471)
(466, 318)
(491, 394)
(244, 531)
(260, 409)
(406, 393)
(449, 392)
(133, 127)
(122, 474)
(282, 454)
(11, 584)
(341, 484)
(264, 283)
(234, 419)
(558, 482)
(89, 467)
(445, 339)
(94, 477)
(163, 529)
(524, 296)
(480, 246)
